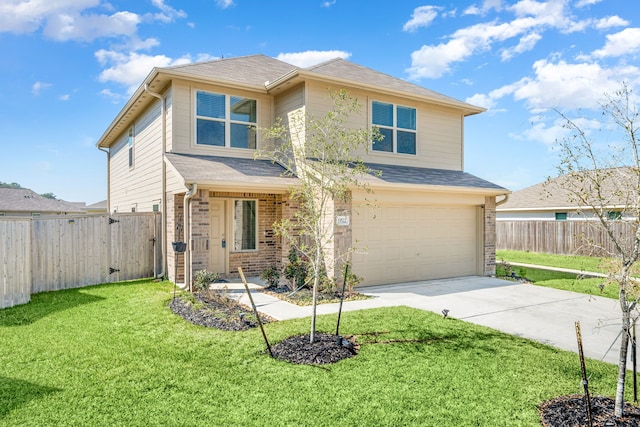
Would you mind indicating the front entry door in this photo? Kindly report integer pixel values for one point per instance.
(218, 243)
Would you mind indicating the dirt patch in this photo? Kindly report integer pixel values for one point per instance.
(326, 348)
(216, 310)
(570, 411)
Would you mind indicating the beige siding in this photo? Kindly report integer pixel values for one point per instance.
(169, 112)
(139, 187)
(439, 133)
(184, 119)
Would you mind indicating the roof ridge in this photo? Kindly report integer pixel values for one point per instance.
(221, 59)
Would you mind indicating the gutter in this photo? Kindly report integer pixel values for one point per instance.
(187, 235)
(163, 194)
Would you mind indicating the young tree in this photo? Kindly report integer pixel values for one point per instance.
(323, 154)
(602, 176)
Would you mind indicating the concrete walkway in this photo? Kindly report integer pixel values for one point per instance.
(542, 314)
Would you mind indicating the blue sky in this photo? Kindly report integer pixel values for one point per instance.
(68, 66)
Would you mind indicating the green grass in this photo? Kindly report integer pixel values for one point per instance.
(565, 281)
(573, 262)
(115, 355)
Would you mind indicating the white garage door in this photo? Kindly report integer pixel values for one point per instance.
(414, 242)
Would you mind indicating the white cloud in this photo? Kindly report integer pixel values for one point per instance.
(532, 18)
(328, 3)
(167, 13)
(583, 3)
(610, 22)
(312, 57)
(526, 43)
(487, 5)
(64, 97)
(625, 42)
(421, 17)
(130, 69)
(82, 20)
(38, 86)
(223, 4)
(66, 27)
(115, 98)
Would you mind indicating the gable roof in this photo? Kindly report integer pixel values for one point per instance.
(269, 75)
(25, 200)
(553, 195)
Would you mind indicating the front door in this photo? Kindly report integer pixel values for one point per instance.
(218, 243)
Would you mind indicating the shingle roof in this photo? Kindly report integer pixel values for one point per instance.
(553, 193)
(25, 200)
(252, 70)
(341, 68)
(209, 169)
(393, 174)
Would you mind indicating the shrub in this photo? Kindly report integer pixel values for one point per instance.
(204, 278)
(296, 271)
(271, 275)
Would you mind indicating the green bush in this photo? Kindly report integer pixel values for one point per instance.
(204, 278)
(297, 270)
(271, 275)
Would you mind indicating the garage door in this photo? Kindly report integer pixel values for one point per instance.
(399, 243)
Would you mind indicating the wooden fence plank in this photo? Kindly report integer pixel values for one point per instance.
(561, 237)
(48, 254)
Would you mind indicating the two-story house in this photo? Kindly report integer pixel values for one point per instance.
(183, 145)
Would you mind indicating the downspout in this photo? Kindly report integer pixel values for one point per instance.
(163, 195)
(104, 150)
(506, 197)
(187, 235)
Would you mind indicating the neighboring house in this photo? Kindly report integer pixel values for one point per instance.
(550, 200)
(186, 138)
(22, 202)
(97, 208)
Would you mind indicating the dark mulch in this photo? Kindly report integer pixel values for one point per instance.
(570, 411)
(215, 310)
(327, 348)
(304, 296)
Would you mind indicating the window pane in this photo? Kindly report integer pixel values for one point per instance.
(561, 216)
(243, 109)
(406, 142)
(210, 132)
(242, 136)
(381, 113)
(386, 144)
(407, 118)
(210, 105)
(244, 225)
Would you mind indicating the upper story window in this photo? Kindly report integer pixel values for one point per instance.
(561, 216)
(397, 124)
(131, 141)
(225, 121)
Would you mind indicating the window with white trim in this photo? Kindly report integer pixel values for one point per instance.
(245, 225)
(397, 124)
(131, 141)
(225, 121)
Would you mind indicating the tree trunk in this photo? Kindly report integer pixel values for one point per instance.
(314, 304)
(622, 360)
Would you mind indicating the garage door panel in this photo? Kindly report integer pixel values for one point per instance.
(414, 242)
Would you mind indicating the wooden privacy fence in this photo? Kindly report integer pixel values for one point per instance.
(560, 237)
(48, 254)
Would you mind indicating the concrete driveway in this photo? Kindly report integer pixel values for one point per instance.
(542, 314)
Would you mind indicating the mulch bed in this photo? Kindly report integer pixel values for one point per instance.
(569, 411)
(326, 348)
(217, 311)
(304, 296)
(214, 310)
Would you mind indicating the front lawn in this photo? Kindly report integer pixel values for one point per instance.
(116, 355)
(558, 279)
